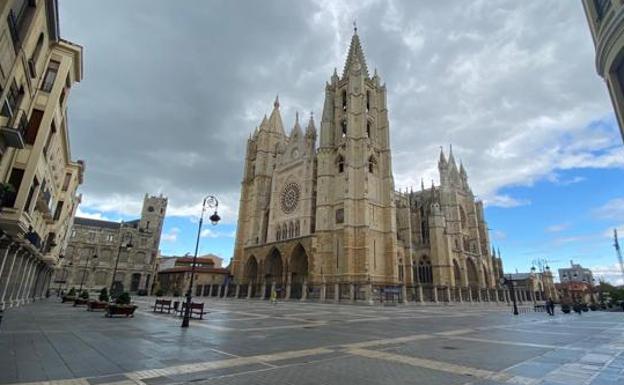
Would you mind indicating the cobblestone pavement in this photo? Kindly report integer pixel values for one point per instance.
(254, 342)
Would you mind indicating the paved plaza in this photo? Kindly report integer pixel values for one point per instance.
(254, 342)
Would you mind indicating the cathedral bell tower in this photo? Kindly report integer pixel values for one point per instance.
(356, 229)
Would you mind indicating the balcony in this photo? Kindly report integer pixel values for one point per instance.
(13, 133)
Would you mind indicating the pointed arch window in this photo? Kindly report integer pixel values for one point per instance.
(340, 164)
(291, 230)
(344, 100)
(343, 127)
(368, 129)
(372, 164)
(367, 101)
(278, 233)
(297, 228)
(425, 273)
(284, 232)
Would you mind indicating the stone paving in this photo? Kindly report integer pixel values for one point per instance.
(254, 342)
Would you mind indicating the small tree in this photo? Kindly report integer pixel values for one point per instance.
(72, 292)
(103, 295)
(84, 294)
(123, 299)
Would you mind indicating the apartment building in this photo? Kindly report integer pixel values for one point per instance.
(38, 178)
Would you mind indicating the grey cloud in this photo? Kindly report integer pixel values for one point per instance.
(173, 89)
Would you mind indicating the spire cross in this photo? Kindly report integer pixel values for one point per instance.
(354, 26)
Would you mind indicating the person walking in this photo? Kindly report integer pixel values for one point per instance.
(273, 297)
(552, 307)
(548, 308)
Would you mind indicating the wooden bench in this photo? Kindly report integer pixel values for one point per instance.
(162, 305)
(196, 311)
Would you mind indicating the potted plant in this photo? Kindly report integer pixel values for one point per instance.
(122, 306)
(82, 299)
(101, 302)
(565, 308)
(70, 296)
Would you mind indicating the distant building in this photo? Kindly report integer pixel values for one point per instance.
(606, 23)
(95, 246)
(174, 275)
(534, 286)
(38, 178)
(575, 291)
(576, 273)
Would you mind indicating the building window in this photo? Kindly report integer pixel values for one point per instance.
(278, 233)
(31, 193)
(343, 126)
(297, 228)
(344, 100)
(425, 273)
(372, 164)
(34, 58)
(368, 129)
(367, 101)
(66, 181)
(13, 98)
(73, 234)
(340, 216)
(50, 76)
(15, 180)
(33, 126)
(58, 210)
(46, 148)
(340, 163)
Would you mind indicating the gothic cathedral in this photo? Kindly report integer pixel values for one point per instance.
(326, 222)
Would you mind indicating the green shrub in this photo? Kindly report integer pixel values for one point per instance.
(593, 307)
(123, 299)
(84, 294)
(565, 308)
(103, 295)
(176, 293)
(72, 292)
(160, 293)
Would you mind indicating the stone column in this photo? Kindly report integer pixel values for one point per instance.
(273, 284)
(369, 294)
(352, 292)
(4, 257)
(263, 290)
(219, 291)
(225, 290)
(25, 294)
(403, 294)
(435, 294)
(533, 296)
(489, 295)
(448, 294)
(496, 297)
(249, 288)
(22, 280)
(288, 287)
(210, 291)
(420, 294)
(304, 290)
(16, 279)
(336, 293)
(323, 292)
(237, 292)
(470, 294)
(460, 298)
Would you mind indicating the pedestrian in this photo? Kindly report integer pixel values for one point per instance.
(552, 307)
(273, 296)
(548, 303)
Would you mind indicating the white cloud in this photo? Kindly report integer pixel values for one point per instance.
(209, 233)
(172, 235)
(557, 228)
(613, 209)
(610, 273)
(505, 201)
(92, 215)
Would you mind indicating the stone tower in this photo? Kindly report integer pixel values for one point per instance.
(153, 217)
(356, 228)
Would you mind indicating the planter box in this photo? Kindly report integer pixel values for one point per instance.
(80, 301)
(68, 299)
(122, 310)
(96, 305)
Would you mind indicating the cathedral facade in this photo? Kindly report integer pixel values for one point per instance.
(324, 221)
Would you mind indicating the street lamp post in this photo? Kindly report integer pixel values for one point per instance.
(211, 202)
(510, 283)
(127, 246)
(84, 273)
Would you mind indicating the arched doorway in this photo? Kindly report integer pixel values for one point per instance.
(135, 280)
(251, 275)
(299, 271)
(473, 275)
(273, 272)
(457, 274)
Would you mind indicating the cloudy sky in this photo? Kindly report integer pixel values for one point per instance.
(172, 90)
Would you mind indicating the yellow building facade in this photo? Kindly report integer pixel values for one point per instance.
(38, 177)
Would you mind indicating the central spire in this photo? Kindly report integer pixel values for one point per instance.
(355, 55)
